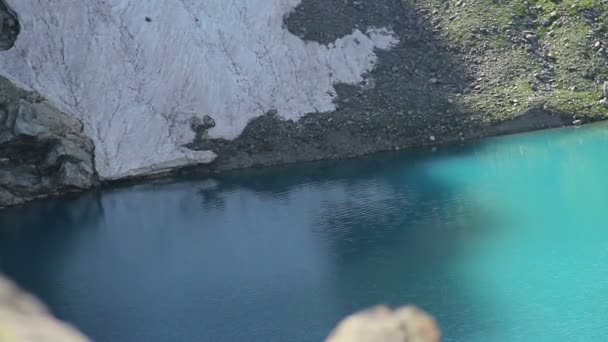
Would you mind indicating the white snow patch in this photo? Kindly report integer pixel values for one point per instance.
(136, 84)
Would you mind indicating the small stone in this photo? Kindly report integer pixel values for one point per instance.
(604, 103)
(4, 160)
(432, 138)
(531, 38)
(597, 45)
(529, 47)
(208, 122)
(577, 122)
(553, 16)
(433, 81)
(148, 19)
(605, 89)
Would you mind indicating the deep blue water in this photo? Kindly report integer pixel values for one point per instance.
(503, 239)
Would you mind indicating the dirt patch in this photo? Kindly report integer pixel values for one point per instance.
(447, 80)
(409, 103)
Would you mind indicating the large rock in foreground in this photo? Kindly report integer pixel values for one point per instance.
(381, 324)
(24, 319)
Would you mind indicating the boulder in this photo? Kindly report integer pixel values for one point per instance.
(381, 324)
(25, 319)
(43, 150)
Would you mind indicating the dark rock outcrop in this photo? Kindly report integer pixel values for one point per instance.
(9, 27)
(43, 151)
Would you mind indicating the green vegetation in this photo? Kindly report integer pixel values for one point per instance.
(528, 54)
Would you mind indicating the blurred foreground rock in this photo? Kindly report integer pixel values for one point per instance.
(381, 324)
(25, 319)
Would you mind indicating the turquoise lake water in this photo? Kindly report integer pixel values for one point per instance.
(503, 239)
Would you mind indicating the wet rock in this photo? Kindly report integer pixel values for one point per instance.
(577, 122)
(25, 319)
(381, 324)
(604, 103)
(44, 151)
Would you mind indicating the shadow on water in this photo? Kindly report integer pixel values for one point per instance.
(385, 213)
(36, 240)
(391, 218)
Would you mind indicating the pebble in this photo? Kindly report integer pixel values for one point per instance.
(552, 18)
(433, 81)
(531, 38)
(597, 45)
(432, 138)
(577, 122)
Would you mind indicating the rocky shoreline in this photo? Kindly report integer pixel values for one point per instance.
(461, 70)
